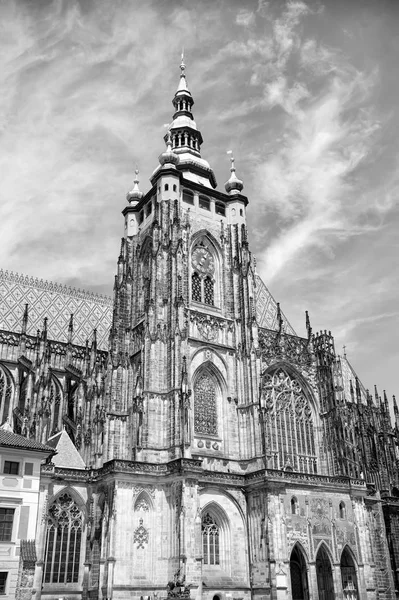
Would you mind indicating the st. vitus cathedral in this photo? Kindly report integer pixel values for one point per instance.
(204, 443)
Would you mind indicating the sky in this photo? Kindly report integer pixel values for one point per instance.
(304, 93)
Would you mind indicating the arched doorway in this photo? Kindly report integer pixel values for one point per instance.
(348, 574)
(325, 583)
(299, 576)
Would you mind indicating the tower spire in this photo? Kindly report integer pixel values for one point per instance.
(233, 185)
(135, 195)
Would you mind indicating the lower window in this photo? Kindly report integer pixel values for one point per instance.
(63, 541)
(3, 582)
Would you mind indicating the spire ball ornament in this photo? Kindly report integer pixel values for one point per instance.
(135, 195)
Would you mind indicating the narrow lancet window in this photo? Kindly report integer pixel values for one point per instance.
(210, 540)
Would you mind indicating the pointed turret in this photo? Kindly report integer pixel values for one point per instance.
(135, 195)
(233, 185)
(168, 158)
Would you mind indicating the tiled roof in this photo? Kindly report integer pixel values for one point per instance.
(266, 309)
(28, 551)
(56, 302)
(14, 440)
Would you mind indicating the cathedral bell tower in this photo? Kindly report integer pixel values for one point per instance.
(184, 371)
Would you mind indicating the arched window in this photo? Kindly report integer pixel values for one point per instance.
(174, 187)
(204, 203)
(196, 287)
(166, 187)
(205, 409)
(294, 506)
(220, 209)
(6, 392)
(188, 197)
(210, 540)
(63, 541)
(289, 430)
(205, 270)
(342, 510)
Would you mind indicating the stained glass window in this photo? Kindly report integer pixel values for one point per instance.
(210, 540)
(205, 409)
(196, 287)
(289, 430)
(208, 291)
(63, 541)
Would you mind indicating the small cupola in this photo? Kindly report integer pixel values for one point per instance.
(134, 196)
(233, 185)
(169, 158)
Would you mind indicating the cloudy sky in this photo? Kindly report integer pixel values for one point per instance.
(304, 92)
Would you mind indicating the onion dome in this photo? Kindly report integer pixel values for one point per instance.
(135, 195)
(169, 157)
(233, 185)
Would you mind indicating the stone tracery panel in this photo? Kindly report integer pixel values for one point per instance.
(289, 428)
(205, 408)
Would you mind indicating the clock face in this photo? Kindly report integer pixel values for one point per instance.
(203, 261)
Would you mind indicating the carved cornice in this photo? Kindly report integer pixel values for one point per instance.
(192, 467)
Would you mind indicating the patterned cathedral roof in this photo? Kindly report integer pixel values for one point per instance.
(90, 311)
(348, 375)
(266, 309)
(56, 302)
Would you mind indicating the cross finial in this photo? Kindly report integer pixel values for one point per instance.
(182, 65)
(344, 348)
(230, 153)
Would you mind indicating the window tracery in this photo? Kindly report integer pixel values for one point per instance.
(63, 541)
(204, 274)
(289, 429)
(205, 408)
(210, 540)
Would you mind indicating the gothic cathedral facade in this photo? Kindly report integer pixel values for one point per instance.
(205, 445)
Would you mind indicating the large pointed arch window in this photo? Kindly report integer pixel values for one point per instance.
(289, 429)
(63, 541)
(210, 540)
(205, 406)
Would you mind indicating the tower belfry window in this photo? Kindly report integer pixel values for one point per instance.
(204, 203)
(202, 279)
